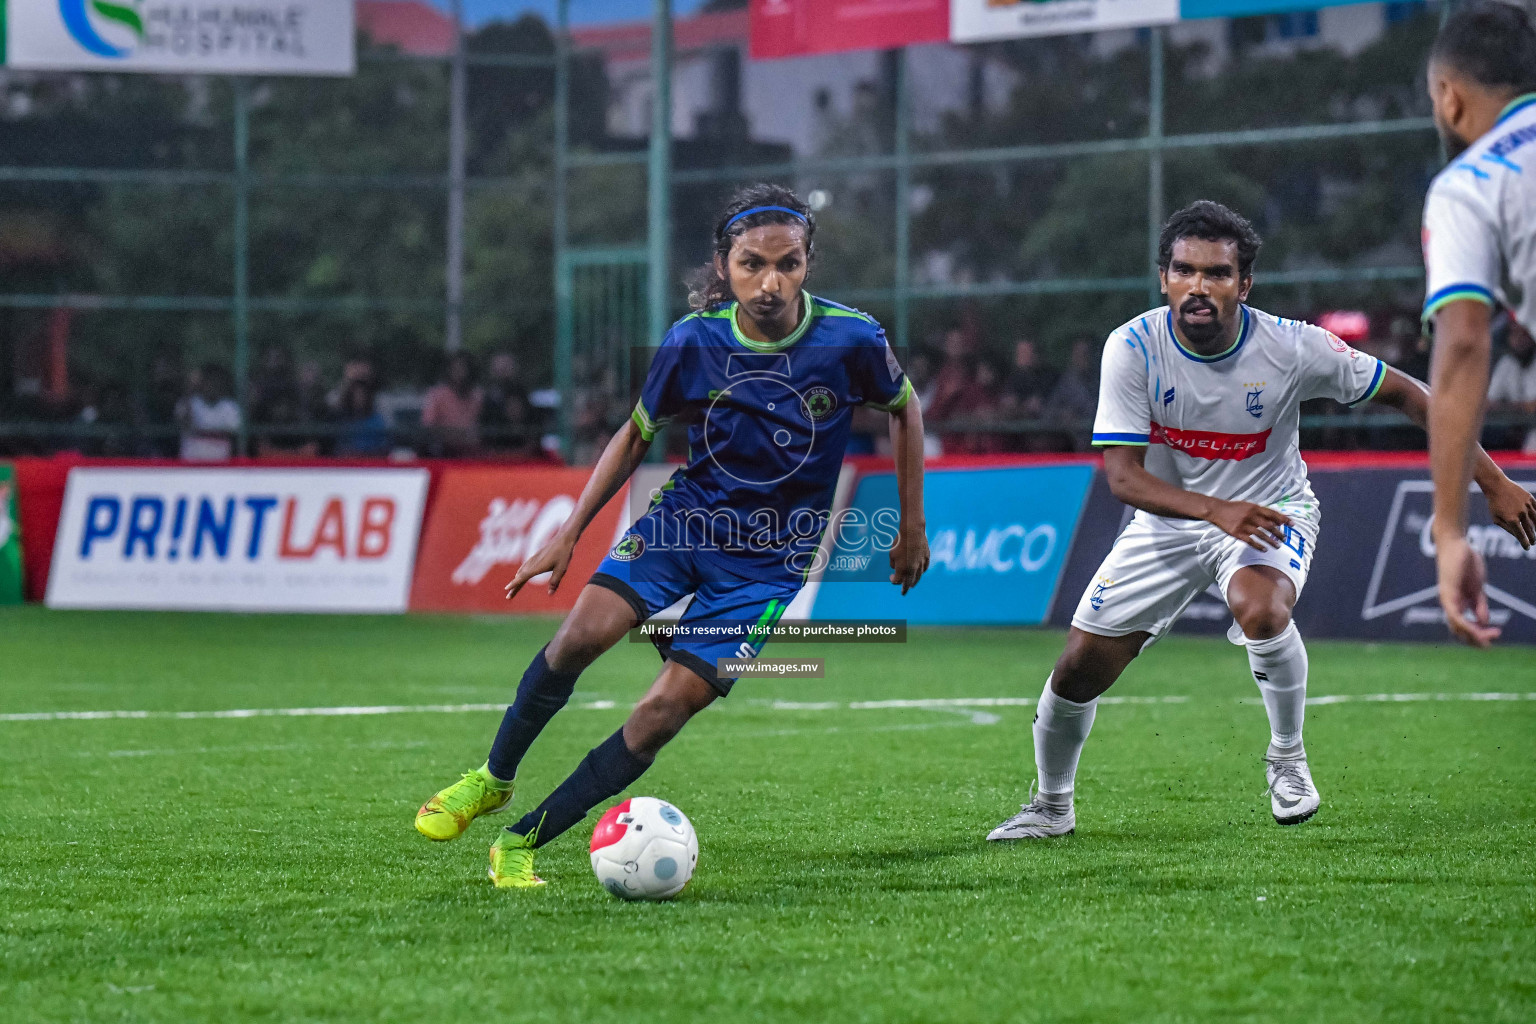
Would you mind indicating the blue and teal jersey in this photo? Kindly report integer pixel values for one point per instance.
(768, 425)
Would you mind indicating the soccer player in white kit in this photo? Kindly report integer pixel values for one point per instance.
(1199, 405)
(1479, 251)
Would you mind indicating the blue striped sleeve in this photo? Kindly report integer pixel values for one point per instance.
(1456, 293)
(1375, 386)
(1109, 439)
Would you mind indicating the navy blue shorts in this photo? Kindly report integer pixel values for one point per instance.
(652, 579)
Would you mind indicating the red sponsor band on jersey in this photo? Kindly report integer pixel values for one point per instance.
(1210, 444)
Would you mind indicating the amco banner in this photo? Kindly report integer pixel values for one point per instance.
(10, 538)
(998, 539)
(237, 37)
(290, 540)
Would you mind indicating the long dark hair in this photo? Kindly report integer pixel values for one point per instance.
(708, 286)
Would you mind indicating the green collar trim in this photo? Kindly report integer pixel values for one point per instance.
(1516, 105)
(806, 315)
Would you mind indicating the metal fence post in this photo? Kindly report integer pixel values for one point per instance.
(1155, 160)
(242, 295)
(453, 328)
(564, 294)
(903, 147)
(660, 177)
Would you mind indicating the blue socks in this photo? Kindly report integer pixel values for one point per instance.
(541, 694)
(608, 769)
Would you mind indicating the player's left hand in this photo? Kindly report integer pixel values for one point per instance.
(1463, 577)
(1514, 510)
(909, 557)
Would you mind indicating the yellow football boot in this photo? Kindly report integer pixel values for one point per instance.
(512, 861)
(449, 813)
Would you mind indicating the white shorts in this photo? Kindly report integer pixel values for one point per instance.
(1155, 569)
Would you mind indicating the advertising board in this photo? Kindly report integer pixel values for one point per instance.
(1373, 576)
(486, 521)
(277, 540)
(997, 541)
(10, 538)
(245, 37)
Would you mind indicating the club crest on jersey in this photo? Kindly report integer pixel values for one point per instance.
(818, 404)
(628, 549)
(1100, 592)
(1255, 407)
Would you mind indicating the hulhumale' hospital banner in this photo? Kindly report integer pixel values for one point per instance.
(790, 28)
(241, 37)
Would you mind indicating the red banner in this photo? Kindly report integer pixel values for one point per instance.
(794, 28)
(484, 522)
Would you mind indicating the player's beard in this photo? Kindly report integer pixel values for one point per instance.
(1201, 333)
(1453, 143)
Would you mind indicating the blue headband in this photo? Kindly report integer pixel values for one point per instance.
(764, 209)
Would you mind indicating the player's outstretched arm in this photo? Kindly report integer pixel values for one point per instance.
(1257, 526)
(1461, 570)
(613, 468)
(1513, 508)
(909, 556)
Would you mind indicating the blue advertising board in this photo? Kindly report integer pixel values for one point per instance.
(1189, 9)
(1373, 576)
(997, 537)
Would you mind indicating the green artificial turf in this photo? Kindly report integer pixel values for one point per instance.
(266, 868)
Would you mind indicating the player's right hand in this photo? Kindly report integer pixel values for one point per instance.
(1260, 527)
(553, 558)
(1463, 579)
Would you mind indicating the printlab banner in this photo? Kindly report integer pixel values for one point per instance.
(271, 540)
(997, 540)
(233, 37)
(486, 522)
(10, 538)
(1373, 576)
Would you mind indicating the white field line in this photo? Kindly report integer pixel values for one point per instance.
(935, 704)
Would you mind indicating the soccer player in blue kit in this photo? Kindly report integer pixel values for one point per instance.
(766, 377)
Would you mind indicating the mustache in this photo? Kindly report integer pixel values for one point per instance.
(1192, 305)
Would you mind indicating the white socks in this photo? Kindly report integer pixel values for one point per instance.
(1061, 729)
(1280, 668)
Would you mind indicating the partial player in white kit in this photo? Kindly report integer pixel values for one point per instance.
(1479, 253)
(1199, 407)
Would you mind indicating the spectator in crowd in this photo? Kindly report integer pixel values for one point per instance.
(984, 403)
(1029, 383)
(279, 409)
(451, 411)
(955, 377)
(506, 414)
(163, 393)
(1075, 398)
(1512, 390)
(208, 416)
(361, 431)
(358, 368)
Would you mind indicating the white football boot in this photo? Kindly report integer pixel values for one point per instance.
(1292, 796)
(1036, 821)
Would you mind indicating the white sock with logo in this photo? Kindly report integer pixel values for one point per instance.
(1061, 729)
(1279, 666)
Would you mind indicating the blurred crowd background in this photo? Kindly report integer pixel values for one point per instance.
(117, 244)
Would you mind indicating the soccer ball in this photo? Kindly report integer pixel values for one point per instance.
(644, 849)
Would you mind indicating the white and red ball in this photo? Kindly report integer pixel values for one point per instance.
(644, 849)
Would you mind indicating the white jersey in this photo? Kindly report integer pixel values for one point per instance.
(1225, 425)
(1480, 220)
